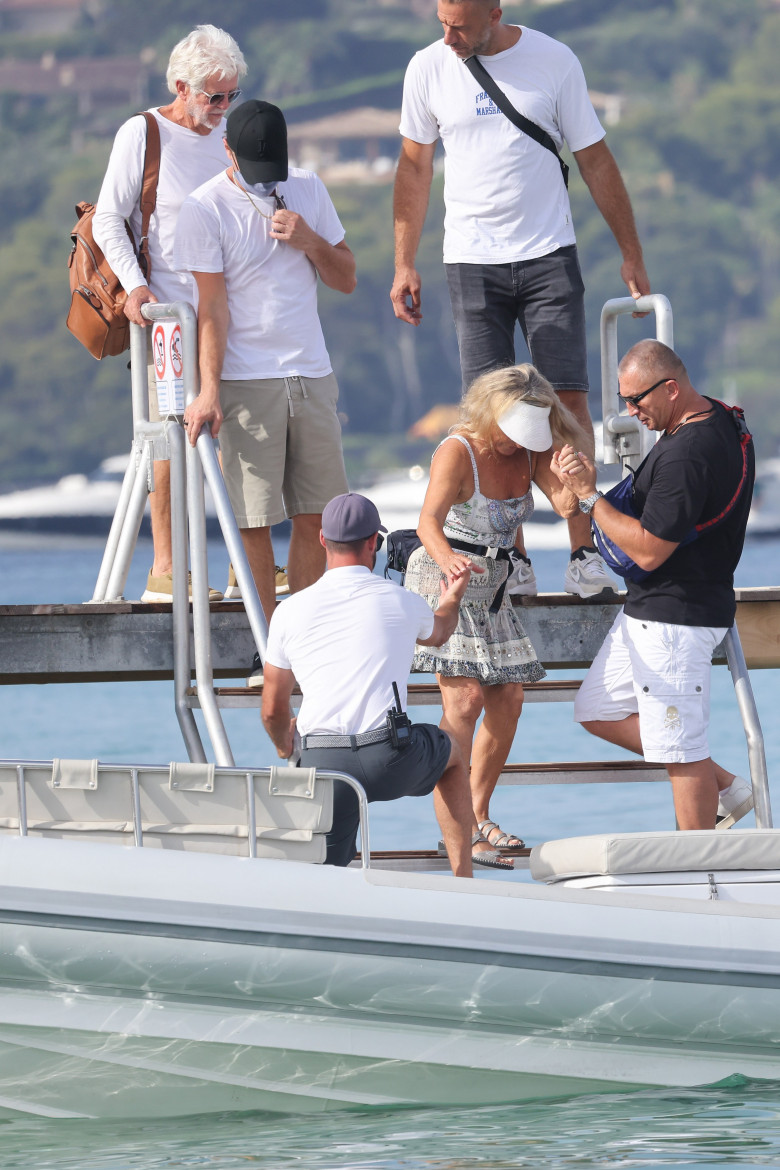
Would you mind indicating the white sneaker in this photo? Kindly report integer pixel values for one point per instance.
(734, 803)
(521, 581)
(586, 574)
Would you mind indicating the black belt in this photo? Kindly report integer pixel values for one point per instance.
(378, 735)
(487, 550)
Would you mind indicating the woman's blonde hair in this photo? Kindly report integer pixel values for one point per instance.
(491, 394)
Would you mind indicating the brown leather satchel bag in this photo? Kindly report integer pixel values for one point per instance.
(97, 302)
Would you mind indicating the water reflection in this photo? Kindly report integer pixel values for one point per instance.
(736, 1125)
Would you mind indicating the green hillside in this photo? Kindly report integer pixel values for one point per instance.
(698, 141)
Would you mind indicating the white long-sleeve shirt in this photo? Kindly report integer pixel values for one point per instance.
(187, 160)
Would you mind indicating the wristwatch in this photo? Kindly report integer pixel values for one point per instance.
(586, 505)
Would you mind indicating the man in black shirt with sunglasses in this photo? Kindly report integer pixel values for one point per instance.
(648, 688)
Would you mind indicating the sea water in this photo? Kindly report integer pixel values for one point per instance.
(735, 1124)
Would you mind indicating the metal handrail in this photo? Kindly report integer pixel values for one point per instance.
(759, 776)
(189, 465)
(250, 775)
(623, 435)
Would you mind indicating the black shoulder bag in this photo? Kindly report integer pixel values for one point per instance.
(480, 74)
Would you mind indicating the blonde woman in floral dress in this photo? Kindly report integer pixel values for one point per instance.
(479, 494)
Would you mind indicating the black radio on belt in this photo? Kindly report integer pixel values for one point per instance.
(399, 726)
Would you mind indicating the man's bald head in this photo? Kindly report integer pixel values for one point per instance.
(649, 360)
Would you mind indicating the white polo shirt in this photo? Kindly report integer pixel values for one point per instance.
(504, 195)
(346, 639)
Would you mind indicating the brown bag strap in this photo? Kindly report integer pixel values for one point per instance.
(149, 188)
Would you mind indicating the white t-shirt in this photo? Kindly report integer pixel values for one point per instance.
(504, 195)
(187, 159)
(271, 287)
(347, 639)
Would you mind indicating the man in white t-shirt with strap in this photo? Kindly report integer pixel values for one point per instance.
(509, 247)
(346, 640)
(257, 238)
(203, 73)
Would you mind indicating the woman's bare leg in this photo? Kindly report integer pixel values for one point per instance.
(463, 700)
(503, 706)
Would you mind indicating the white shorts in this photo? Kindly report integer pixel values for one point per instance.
(662, 672)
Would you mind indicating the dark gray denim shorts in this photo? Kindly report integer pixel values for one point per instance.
(546, 297)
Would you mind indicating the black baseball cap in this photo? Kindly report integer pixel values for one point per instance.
(256, 132)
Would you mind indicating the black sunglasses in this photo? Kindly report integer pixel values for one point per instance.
(635, 399)
(380, 540)
(216, 98)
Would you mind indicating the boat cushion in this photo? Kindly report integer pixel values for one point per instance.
(664, 852)
(181, 806)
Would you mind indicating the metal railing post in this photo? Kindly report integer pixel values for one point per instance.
(759, 775)
(131, 525)
(123, 533)
(201, 613)
(188, 467)
(623, 435)
(233, 541)
(181, 598)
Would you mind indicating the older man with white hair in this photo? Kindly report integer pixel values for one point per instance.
(203, 74)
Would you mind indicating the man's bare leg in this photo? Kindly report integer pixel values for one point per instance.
(695, 789)
(452, 805)
(160, 508)
(260, 554)
(622, 732)
(694, 797)
(306, 558)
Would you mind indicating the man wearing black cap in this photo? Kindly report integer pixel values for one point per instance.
(347, 639)
(256, 238)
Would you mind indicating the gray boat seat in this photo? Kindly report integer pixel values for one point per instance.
(663, 852)
(196, 807)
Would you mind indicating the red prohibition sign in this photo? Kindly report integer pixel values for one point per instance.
(177, 361)
(158, 349)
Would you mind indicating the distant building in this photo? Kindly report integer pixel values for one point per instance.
(96, 82)
(354, 146)
(41, 16)
(436, 423)
(361, 145)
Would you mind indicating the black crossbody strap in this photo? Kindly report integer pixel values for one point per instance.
(480, 74)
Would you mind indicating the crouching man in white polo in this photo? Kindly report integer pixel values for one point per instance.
(347, 639)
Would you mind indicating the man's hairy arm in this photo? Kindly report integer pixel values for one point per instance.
(277, 720)
(577, 472)
(213, 321)
(410, 203)
(605, 183)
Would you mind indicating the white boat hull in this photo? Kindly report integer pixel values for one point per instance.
(146, 983)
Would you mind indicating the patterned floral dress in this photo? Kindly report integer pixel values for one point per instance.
(491, 647)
